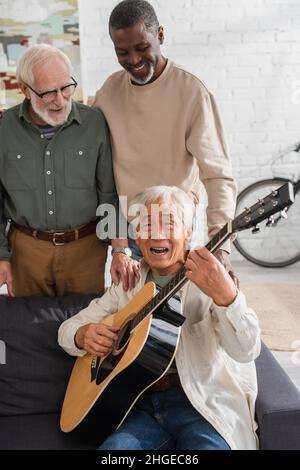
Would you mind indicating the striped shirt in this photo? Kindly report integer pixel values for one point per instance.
(49, 131)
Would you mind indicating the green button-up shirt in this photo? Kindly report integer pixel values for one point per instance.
(57, 184)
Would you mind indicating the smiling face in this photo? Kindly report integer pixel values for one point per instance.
(163, 239)
(138, 51)
(52, 75)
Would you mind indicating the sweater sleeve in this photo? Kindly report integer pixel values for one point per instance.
(206, 142)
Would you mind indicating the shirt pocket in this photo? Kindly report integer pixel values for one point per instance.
(20, 171)
(203, 338)
(80, 167)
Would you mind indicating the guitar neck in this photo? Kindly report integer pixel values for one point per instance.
(220, 237)
(179, 279)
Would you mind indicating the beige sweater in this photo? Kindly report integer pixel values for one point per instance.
(169, 132)
(215, 356)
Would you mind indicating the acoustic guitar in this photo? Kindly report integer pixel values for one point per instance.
(102, 391)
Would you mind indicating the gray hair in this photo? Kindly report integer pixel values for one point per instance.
(167, 196)
(130, 12)
(36, 56)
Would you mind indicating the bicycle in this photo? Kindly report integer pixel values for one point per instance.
(278, 245)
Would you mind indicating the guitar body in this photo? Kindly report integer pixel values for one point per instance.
(100, 402)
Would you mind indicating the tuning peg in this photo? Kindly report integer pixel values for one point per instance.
(270, 221)
(256, 229)
(247, 210)
(284, 214)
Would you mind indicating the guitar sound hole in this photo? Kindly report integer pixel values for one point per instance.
(104, 370)
(123, 337)
(107, 366)
(111, 361)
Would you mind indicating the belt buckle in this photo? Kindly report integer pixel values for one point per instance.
(54, 241)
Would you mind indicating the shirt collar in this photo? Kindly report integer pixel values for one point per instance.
(73, 116)
(23, 112)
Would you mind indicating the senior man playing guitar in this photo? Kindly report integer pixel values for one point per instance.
(197, 351)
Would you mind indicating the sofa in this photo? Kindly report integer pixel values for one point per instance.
(34, 372)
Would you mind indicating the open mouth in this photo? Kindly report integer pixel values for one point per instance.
(137, 70)
(159, 251)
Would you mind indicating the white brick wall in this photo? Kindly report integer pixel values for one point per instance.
(246, 51)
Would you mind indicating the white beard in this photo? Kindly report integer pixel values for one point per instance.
(145, 80)
(44, 115)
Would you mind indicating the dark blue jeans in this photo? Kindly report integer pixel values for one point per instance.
(165, 420)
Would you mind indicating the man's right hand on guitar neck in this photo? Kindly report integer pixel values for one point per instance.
(96, 338)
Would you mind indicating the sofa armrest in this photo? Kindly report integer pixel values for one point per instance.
(277, 405)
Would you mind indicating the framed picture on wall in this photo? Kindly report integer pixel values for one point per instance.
(24, 24)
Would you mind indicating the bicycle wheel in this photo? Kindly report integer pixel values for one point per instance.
(275, 245)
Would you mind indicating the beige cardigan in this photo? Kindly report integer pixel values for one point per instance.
(214, 359)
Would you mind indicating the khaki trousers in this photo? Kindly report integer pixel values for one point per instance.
(41, 268)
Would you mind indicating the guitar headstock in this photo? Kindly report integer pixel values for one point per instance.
(276, 201)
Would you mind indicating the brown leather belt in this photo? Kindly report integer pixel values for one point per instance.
(164, 383)
(59, 237)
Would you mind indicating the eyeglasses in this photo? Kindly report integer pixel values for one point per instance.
(49, 96)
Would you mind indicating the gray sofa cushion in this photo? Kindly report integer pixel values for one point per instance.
(277, 405)
(36, 372)
(38, 432)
